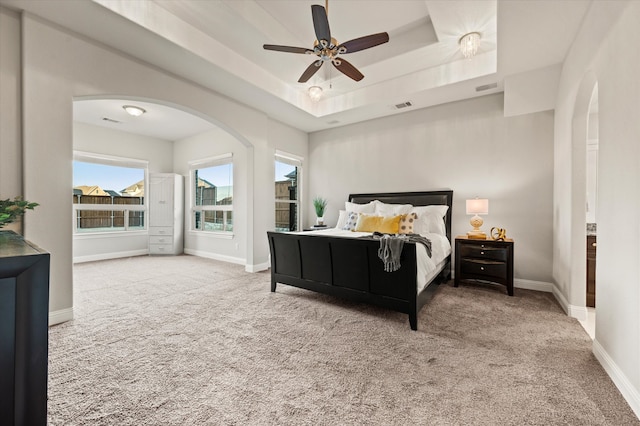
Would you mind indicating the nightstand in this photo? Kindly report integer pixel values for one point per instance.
(485, 260)
(315, 228)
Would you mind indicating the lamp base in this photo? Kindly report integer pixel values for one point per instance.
(476, 235)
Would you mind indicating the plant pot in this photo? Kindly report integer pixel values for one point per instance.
(320, 220)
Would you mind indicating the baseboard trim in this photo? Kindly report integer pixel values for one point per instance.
(215, 256)
(63, 315)
(258, 267)
(107, 256)
(629, 393)
(533, 285)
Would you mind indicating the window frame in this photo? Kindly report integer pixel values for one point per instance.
(112, 160)
(218, 160)
(298, 162)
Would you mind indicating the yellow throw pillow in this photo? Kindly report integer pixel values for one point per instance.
(371, 223)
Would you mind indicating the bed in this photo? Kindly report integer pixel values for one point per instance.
(347, 265)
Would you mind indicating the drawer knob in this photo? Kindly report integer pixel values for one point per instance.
(482, 268)
(593, 244)
(482, 245)
(481, 252)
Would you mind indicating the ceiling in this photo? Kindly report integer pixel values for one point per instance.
(218, 44)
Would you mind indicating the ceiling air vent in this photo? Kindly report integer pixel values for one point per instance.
(403, 105)
(486, 87)
(110, 120)
(333, 122)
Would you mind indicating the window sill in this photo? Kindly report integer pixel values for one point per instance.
(212, 234)
(109, 234)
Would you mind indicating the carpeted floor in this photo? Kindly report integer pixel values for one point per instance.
(191, 341)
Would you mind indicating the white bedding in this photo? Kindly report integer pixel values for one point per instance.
(428, 267)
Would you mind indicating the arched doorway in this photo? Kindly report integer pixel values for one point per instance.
(584, 199)
(149, 142)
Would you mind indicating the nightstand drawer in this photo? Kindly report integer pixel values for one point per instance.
(483, 252)
(482, 267)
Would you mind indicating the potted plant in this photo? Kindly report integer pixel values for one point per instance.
(319, 204)
(10, 210)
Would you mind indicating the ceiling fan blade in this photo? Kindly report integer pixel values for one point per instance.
(347, 69)
(286, 48)
(321, 23)
(362, 43)
(310, 71)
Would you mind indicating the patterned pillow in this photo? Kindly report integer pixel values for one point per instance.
(352, 219)
(406, 223)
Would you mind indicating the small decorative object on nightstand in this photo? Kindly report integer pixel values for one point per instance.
(319, 204)
(484, 260)
(477, 207)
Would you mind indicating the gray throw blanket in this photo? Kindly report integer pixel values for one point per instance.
(391, 248)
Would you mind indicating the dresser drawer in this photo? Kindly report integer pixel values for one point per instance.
(483, 252)
(161, 239)
(160, 230)
(484, 268)
(160, 249)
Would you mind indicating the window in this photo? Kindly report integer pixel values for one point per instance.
(287, 197)
(108, 193)
(212, 194)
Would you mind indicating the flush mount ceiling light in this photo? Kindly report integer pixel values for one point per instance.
(134, 110)
(315, 93)
(469, 44)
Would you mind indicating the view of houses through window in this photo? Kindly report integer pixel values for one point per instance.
(213, 195)
(287, 193)
(108, 197)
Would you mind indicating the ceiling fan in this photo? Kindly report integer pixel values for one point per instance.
(326, 48)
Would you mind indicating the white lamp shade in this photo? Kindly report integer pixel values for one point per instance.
(478, 206)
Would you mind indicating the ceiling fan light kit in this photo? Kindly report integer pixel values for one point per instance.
(315, 93)
(133, 110)
(327, 48)
(469, 44)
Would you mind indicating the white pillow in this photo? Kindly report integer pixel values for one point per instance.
(342, 219)
(430, 219)
(384, 209)
(368, 208)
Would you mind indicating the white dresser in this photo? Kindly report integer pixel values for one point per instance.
(166, 213)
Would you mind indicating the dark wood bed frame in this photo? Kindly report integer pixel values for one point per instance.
(350, 268)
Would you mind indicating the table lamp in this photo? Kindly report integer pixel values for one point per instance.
(476, 207)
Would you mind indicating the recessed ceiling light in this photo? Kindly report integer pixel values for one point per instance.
(134, 110)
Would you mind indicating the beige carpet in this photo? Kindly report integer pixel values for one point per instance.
(190, 341)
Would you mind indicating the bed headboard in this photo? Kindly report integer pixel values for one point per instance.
(422, 198)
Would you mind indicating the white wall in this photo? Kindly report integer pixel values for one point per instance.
(100, 140)
(467, 146)
(198, 147)
(10, 105)
(601, 54)
(531, 91)
(56, 68)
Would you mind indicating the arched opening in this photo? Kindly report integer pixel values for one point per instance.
(166, 139)
(584, 202)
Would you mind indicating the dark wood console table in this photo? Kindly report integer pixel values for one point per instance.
(24, 321)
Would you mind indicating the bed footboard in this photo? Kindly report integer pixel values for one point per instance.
(347, 268)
